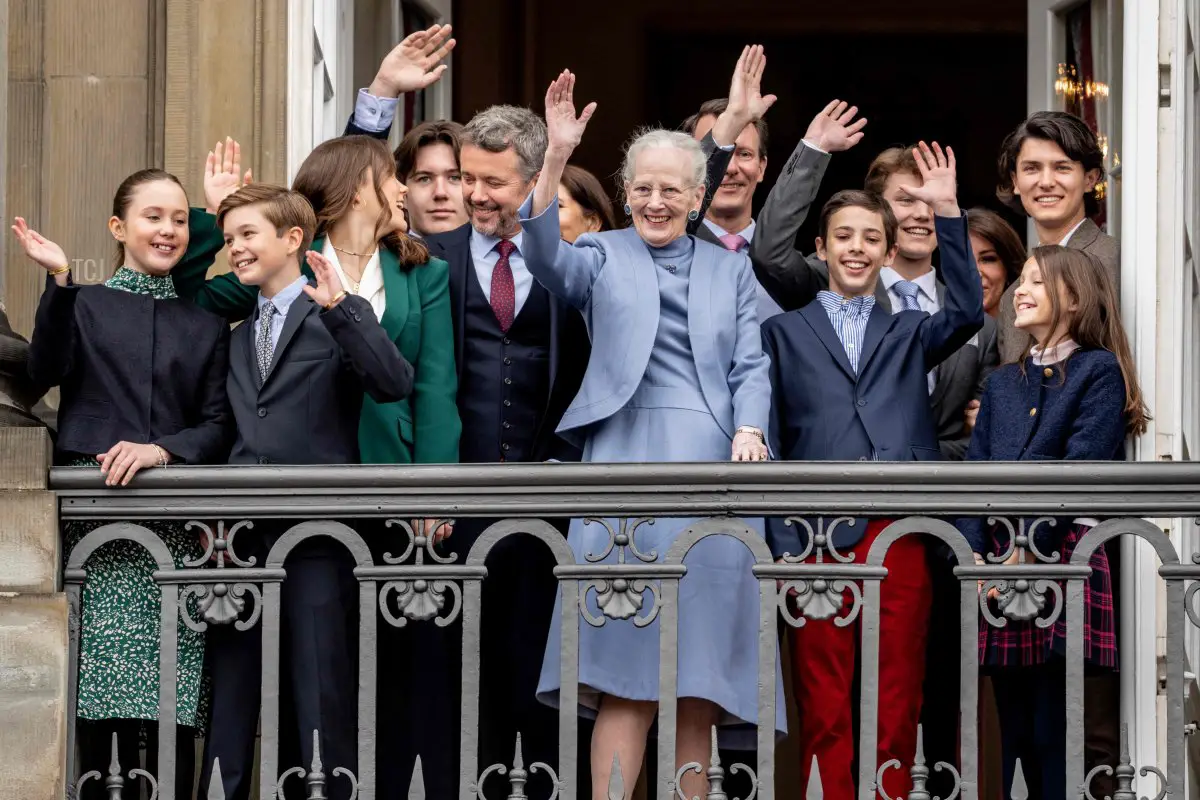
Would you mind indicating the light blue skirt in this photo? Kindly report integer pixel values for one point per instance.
(718, 597)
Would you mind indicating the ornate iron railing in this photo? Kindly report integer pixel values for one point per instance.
(432, 589)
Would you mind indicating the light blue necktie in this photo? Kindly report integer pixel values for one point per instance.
(908, 292)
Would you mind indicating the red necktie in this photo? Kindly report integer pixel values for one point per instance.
(504, 293)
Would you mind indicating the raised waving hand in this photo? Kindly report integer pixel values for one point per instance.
(564, 130)
(939, 176)
(834, 129)
(413, 64)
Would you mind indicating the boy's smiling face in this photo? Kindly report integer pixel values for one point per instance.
(257, 253)
(855, 248)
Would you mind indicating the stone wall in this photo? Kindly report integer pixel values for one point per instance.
(33, 622)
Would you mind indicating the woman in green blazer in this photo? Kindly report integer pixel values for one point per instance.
(361, 229)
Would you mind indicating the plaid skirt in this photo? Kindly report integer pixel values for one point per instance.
(1024, 644)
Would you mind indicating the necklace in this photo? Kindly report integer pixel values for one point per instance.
(354, 284)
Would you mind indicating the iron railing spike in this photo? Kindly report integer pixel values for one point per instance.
(316, 776)
(1125, 773)
(517, 776)
(616, 783)
(416, 786)
(814, 791)
(216, 783)
(920, 771)
(716, 773)
(1020, 791)
(114, 783)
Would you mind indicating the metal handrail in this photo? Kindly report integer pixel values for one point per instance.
(1095, 489)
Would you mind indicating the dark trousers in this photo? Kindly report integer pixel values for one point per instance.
(318, 674)
(422, 706)
(940, 706)
(95, 749)
(1033, 727)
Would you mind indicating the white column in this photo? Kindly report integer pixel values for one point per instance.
(299, 80)
(1140, 226)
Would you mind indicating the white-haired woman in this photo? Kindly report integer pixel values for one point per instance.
(676, 373)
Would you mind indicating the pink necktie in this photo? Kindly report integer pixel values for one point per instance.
(504, 293)
(733, 241)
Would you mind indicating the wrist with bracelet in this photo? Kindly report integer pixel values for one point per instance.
(336, 299)
(56, 272)
(163, 458)
(755, 432)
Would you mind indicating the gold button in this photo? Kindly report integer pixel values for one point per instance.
(1049, 373)
(1033, 412)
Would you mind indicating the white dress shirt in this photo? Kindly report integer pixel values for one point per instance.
(370, 288)
(485, 255)
(373, 113)
(747, 233)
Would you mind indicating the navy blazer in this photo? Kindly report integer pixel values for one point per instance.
(823, 411)
(1072, 411)
(307, 410)
(134, 369)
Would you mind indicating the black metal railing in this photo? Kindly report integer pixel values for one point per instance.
(806, 588)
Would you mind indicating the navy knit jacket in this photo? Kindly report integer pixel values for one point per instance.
(1074, 410)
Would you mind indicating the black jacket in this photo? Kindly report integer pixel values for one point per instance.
(307, 410)
(134, 369)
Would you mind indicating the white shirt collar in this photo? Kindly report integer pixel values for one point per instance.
(1054, 355)
(746, 233)
(284, 298)
(1063, 242)
(482, 245)
(927, 283)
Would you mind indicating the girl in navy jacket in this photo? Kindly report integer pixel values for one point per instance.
(1074, 396)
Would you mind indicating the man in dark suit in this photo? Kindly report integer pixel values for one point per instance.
(1049, 169)
(298, 371)
(729, 221)
(850, 383)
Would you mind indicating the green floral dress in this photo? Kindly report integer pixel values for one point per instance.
(118, 652)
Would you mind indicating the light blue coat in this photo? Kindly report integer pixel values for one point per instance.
(611, 278)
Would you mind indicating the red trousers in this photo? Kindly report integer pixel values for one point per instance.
(823, 668)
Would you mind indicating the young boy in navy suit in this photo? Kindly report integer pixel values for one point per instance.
(297, 373)
(849, 384)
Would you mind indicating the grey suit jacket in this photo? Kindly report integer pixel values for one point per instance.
(793, 280)
(1090, 239)
(960, 379)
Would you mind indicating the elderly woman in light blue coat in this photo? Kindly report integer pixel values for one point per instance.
(677, 373)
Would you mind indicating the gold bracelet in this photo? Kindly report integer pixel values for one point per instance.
(335, 299)
(163, 459)
(60, 270)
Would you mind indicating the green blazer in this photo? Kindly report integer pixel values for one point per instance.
(422, 429)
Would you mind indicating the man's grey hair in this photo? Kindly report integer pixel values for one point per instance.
(660, 137)
(498, 128)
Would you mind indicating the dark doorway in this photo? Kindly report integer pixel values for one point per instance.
(964, 90)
